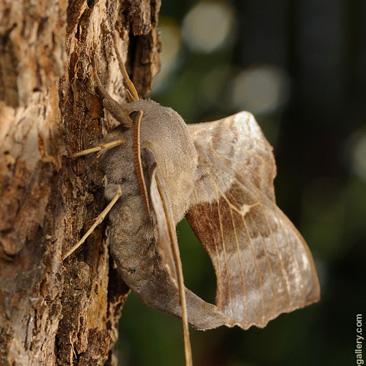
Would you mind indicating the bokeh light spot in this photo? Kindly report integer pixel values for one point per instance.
(207, 26)
(260, 89)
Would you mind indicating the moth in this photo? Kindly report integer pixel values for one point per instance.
(219, 175)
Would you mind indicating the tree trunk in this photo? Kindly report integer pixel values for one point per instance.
(54, 311)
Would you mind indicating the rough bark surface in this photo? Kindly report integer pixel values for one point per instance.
(54, 312)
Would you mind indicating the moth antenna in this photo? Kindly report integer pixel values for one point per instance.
(100, 148)
(138, 162)
(178, 263)
(97, 221)
(129, 84)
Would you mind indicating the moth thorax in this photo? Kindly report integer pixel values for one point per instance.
(165, 134)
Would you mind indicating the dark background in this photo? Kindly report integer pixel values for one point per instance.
(299, 67)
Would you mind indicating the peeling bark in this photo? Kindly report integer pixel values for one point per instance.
(54, 312)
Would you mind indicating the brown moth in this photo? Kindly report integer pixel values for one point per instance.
(220, 176)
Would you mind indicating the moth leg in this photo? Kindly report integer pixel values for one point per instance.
(130, 88)
(100, 148)
(97, 221)
(111, 105)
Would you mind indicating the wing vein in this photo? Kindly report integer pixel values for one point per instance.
(224, 249)
(241, 266)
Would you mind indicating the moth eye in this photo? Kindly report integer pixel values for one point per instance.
(133, 115)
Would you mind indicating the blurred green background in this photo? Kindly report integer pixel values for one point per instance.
(299, 67)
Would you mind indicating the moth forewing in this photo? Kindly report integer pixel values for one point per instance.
(262, 264)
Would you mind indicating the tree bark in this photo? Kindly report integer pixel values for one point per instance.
(54, 311)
